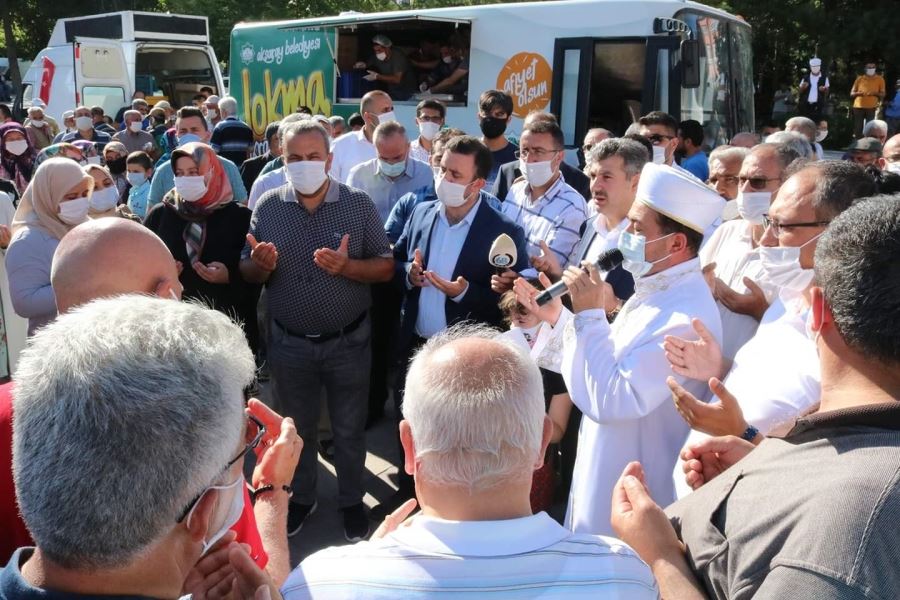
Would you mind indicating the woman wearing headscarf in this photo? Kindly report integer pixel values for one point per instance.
(114, 154)
(16, 155)
(62, 149)
(105, 197)
(205, 230)
(56, 200)
(89, 152)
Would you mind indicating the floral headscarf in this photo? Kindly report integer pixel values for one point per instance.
(17, 169)
(58, 150)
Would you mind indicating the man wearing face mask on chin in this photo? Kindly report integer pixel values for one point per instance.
(616, 373)
(442, 258)
(774, 378)
(318, 245)
(357, 147)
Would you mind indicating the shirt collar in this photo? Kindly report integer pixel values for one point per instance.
(601, 228)
(466, 220)
(665, 279)
(882, 416)
(334, 190)
(551, 191)
(480, 538)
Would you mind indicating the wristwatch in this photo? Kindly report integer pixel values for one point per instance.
(750, 433)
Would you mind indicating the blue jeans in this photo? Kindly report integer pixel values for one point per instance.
(299, 369)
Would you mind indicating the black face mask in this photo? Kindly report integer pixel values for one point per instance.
(492, 127)
(116, 166)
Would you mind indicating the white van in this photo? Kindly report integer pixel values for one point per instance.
(101, 60)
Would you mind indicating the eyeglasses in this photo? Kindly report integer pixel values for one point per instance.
(757, 183)
(428, 119)
(726, 179)
(538, 153)
(253, 435)
(778, 227)
(658, 138)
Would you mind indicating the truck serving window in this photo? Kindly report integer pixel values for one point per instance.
(422, 59)
(174, 73)
(111, 98)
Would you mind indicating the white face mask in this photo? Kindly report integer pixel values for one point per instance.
(428, 130)
(893, 167)
(190, 187)
(74, 212)
(136, 179)
(382, 56)
(135, 126)
(17, 147)
(659, 155)
(633, 247)
(781, 267)
(213, 114)
(84, 123)
(93, 160)
(306, 176)
(536, 173)
(753, 205)
(450, 194)
(37, 122)
(105, 199)
(815, 70)
(235, 508)
(870, 72)
(386, 117)
(447, 59)
(821, 135)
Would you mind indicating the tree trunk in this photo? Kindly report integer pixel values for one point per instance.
(11, 52)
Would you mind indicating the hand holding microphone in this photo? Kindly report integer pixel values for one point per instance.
(608, 261)
(503, 256)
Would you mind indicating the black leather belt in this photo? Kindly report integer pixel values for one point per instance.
(318, 338)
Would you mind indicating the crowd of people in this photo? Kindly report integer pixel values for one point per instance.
(715, 395)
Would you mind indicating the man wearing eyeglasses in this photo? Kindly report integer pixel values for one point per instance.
(774, 378)
(541, 202)
(662, 131)
(731, 260)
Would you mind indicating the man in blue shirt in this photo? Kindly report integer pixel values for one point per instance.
(690, 143)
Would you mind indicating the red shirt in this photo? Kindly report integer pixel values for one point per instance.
(15, 534)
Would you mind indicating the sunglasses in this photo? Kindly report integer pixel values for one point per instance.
(757, 183)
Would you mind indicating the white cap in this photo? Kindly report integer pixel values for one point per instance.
(382, 40)
(815, 62)
(679, 196)
(38, 103)
(211, 100)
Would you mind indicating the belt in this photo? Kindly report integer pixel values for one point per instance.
(318, 338)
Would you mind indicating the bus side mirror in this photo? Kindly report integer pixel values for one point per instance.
(690, 63)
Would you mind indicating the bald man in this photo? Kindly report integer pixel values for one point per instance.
(349, 150)
(890, 155)
(108, 257)
(745, 139)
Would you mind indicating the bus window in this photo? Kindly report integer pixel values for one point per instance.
(710, 102)
(617, 81)
(742, 69)
(110, 98)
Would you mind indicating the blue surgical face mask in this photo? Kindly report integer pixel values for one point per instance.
(633, 246)
(136, 179)
(392, 170)
(187, 139)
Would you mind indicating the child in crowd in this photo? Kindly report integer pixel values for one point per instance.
(140, 171)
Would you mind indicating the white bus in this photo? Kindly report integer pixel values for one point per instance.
(593, 63)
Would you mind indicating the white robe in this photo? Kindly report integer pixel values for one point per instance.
(16, 327)
(775, 376)
(617, 377)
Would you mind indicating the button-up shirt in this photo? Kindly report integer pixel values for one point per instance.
(446, 243)
(266, 183)
(605, 239)
(350, 150)
(526, 557)
(384, 190)
(555, 218)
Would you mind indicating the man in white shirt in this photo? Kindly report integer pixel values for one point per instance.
(475, 429)
(356, 147)
(775, 376)
(617, 374)
(430, 115)
(547, 208)
(731, 251)
(724, 169)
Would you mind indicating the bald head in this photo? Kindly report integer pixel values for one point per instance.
(891, 150)
(109, 257)
(745, 140)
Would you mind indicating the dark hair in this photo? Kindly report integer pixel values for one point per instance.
(444, 135)
(356, 119)
(886, 181)
(549, 127)
(141, 159)
(97, 111)
(492, 99)
(509, 304)
(641, 140)
(472, 146)
(838, 184)
(634, 155)
(856, 266)
(272, 130)
(199, 97)
(4, 110)
(658, 117)
(433, 105)
(206, 88)
(304, 110)
(192, 111)
(669, 225)
(692, 130)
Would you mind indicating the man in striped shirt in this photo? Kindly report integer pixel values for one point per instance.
(547, 208)
(475, 429)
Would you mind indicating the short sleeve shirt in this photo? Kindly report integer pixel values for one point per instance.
(302, 297)
(396, 63)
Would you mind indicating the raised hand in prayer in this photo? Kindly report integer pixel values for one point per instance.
(452, 289)
(416, 272)
(697, 359)
(526, 293)
(331, 261)
(263, 254)
(214, 272)
(707, 459)
(724, 417)
(752, 303)
(546, 262)
(211, 577)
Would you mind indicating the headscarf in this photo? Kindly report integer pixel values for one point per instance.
(57, 150)
(19, 168)
(89, 169)
(39, 206)
(87, 147)
(218, 194)
(117, 163)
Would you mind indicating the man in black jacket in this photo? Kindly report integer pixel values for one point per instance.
(252, 167)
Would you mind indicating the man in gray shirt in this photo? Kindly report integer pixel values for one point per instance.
(318, 245)
(389, 68)
(812, 515)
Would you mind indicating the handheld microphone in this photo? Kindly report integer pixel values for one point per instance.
(503, 254)
(608, 261)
